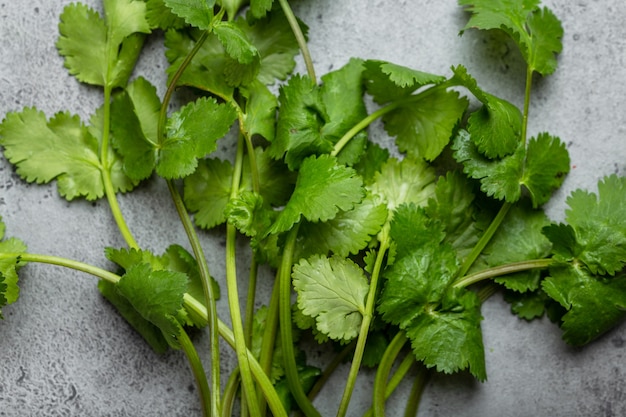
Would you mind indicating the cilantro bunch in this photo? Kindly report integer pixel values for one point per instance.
(373, 255)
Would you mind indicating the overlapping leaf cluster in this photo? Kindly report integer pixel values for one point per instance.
(380, 245)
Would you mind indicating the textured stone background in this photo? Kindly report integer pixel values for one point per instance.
(65, 352)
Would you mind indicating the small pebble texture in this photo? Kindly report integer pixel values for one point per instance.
(64, 351)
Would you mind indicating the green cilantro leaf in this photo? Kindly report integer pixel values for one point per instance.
(207, 192)
(496, 127)
(60, 149)
(102, 51)
(134, 120)
(9, 290)
(150, 332)
(300, 121)
(276, 181)
(412, 229)
(176, 259)
(453, 205)
(596, 234)
(206, 71)
(546, 33)
(3, 291)
(594, 304)
(259, 8)
(273, 38)
(416, 283)
(160, 16)
(348, 232)
(387, 82)
(424, 126)
(407, 181)
(188, 138)
(126, 258)
(236, 42)
(528, 305)
(333, 290)
(249, 214)
(342, 94)
(442, 324)
(518, 238)
(371, 161)
(260, 110)
(323, 188)
(198, 13)
(313, 118)
(450, 339)
(244, 64)
(540, 168)
(157, 296)
(537, 31)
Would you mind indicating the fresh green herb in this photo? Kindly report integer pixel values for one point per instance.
(385, 255)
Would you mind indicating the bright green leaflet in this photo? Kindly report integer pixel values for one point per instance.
(332, 290)
(102, 51)
(60, 149)
(198, 13)
(323, 189)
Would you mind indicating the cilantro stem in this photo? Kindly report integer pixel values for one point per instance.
(109, 191)
(350, 134)
(484, 239)
(343, 141)
(209, 295)
(300, 38)
(291, 370)
(198, 371)
(189, 303)
(368, 315)
(330, 369)
(527, 92)
(247, 381)
(230, 393)
(269, 336)
(416, 392)
(262, 379)
(382, 373)
(174, 82)
(68, 263)
(503, 270)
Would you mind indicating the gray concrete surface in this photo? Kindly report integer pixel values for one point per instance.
(65, 352)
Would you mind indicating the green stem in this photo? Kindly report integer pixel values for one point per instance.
(230, 393)
(273, 400)
(233, 296)
(368, 315)
(198, 372)
(382, 373)
(527, 91)
(109, 190)
(269, 337)
(300, 38)
(189, 303)
(502, 270)
(291, 370)
(209, 294)
(416, 392)
(369, 119)
(484, 239)
(174, 82)
(330, 369)
(64, 262)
